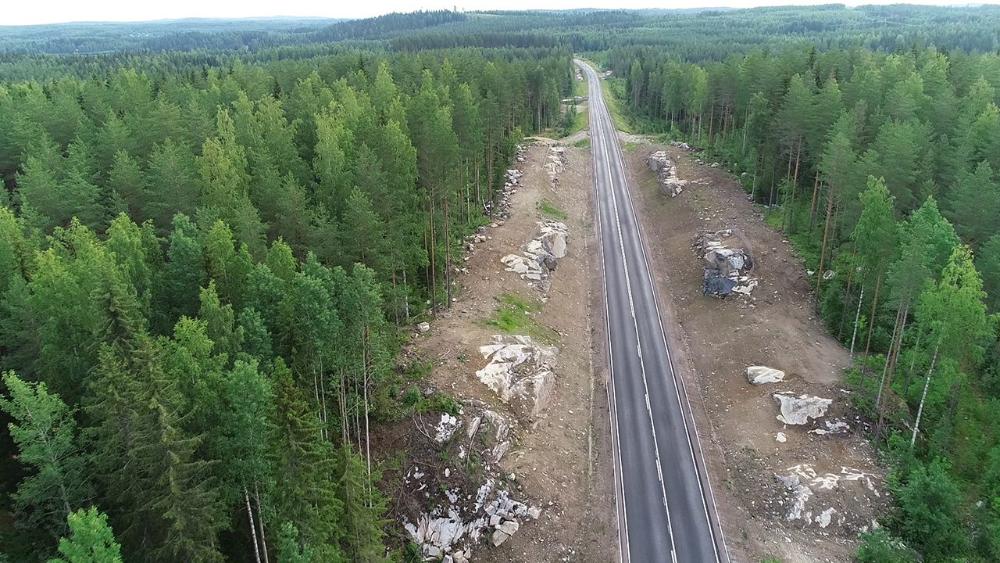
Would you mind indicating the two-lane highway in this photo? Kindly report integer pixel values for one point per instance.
(666, 511)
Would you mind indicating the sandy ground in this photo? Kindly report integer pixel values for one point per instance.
(560, 460)
(717, 339)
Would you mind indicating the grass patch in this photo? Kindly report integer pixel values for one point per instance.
(515, 316)
(549, 209)
(582, 143)
(614, 91)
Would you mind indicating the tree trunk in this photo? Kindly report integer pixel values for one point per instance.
(433, 251)
(368, 452)
(746, 127)
(871, 319)
(711, 121)
(923, 397)
(891, 361)
(260, 523)
(253, 528)
(857, 316)
(812, 205)
(826, 235)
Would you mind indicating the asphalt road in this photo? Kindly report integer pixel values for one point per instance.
(666, 511)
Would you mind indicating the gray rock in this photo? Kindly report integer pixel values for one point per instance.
(424, 326)
(499, 537)
(509, 527)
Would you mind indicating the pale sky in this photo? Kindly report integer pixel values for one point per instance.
(26, 12)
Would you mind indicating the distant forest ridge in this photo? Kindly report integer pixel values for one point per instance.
(690, 33)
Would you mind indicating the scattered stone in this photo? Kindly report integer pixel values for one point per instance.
(759, 375)
(499, 537)
(424, 326)
(780, 437)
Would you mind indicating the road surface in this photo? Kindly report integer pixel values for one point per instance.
(666, 511)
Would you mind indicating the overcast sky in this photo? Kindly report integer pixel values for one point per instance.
(23, 12)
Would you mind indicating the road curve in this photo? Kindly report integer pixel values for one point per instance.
(666, 511)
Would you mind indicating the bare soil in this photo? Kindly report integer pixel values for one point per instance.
(560, 460)
(717, 339)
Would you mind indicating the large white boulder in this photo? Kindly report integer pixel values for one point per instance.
(759, 375)
(798, 410)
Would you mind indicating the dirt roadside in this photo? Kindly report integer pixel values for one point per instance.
(782, 491)
(558, 460)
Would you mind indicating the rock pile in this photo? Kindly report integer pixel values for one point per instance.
(539, 257)
(683, 146)
(666, 172)
(466, 514)
(501, 210)
(555, 163)
(519, 372)
(726, 269)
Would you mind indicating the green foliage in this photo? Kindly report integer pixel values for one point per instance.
(91, 541)
(930, 504)
(880, 547)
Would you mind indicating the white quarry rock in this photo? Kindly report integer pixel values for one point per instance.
(539, 254)
(759, 375)
(424, 326)
(520, 371)
(798, 410)
(446, 428)
(780, 437)
(824, 517)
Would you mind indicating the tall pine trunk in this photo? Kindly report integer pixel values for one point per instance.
(871, 319)
(923, 396)
(857, 317)
(253, 528)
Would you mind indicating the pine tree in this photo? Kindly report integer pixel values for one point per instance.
(874, 239)
(45, 433)
(988, 263)
(975, 205)
(91, 541)
(307, 464)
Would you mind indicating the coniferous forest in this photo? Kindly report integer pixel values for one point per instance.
(213, 239)
(205, 262)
